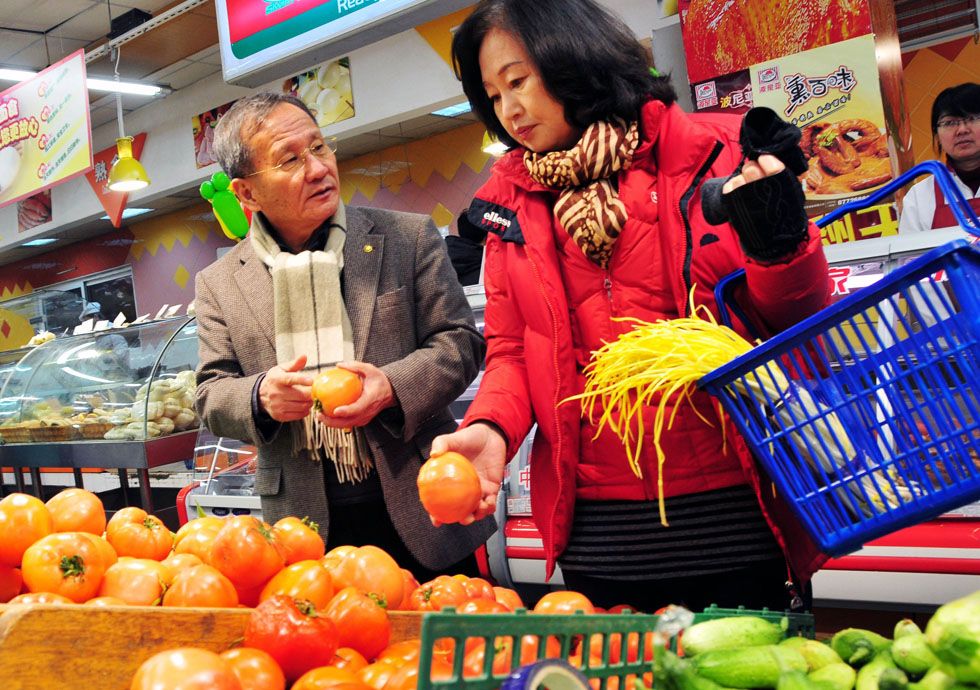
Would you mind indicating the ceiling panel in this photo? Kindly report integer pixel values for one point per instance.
(184, 35)
(190, 74)
(163, 75)
(42, 53)
(40, 15)
(12, 42)
(395, 131)
(90, 25)
(211, 56)
(154, 7)
(101, 115)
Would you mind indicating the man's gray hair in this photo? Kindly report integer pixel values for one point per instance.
(232, 136)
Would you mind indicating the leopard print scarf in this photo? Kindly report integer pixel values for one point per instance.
(588, 206)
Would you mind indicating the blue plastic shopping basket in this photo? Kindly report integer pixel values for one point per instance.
(865, 415)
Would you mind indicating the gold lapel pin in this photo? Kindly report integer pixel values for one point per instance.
(368, 249)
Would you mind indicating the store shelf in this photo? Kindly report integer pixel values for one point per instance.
(103, 454)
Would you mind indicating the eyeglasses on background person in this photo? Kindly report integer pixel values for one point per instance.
(954, 122)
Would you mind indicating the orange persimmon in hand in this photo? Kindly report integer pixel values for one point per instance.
(335, 388)
(449, 487)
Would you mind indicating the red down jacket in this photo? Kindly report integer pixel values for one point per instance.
(546, 305)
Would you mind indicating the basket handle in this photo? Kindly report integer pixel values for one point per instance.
(725, 299)
(964, 214)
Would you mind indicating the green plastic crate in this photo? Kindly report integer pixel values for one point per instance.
(570, 632)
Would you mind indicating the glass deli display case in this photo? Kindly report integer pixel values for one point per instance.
(41, 311)
(115, 398)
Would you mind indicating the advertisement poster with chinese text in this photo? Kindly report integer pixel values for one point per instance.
(45, 137)
(832, 94)
(730, 93)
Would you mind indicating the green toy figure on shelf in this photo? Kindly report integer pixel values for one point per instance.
(233, 219)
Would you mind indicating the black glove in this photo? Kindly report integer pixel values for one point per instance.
(768, 214)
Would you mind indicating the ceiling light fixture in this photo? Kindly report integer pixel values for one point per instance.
(94, 83)
(130, 213)
(453, 110)
(40, 242)
(128, 174)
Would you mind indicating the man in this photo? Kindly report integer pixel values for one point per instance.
(314, 284)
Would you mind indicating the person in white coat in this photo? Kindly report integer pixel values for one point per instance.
(956, 133)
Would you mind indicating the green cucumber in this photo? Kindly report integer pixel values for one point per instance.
(730, 633)
(675, 673)
(869, 674)
(817, 654)
(794, 680)
(748, 667)
(857, 646)
(893, 679)
(912, 654)
(905, 627)
(935, 679)
(839, 675)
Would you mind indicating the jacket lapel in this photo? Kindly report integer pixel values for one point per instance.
(255, 284)
(363, 251)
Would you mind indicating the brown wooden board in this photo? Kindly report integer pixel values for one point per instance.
(48, 647)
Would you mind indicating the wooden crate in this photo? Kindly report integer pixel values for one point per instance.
(48, 647)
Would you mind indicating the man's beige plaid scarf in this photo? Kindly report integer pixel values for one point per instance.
(588, 207)
(311, 320)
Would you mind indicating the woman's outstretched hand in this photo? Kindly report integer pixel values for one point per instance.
(483, 445)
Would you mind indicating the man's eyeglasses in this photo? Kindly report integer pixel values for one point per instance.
(321, 150)
(955, 122)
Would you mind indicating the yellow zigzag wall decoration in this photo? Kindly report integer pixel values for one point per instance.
(439, 33)
(17, 291)
(163, 231)
(415, 162)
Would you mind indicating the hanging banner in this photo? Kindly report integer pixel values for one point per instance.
(832, 94)
(45, 134)
(113, 202)
(722, 36)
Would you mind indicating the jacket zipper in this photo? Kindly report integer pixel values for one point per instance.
(688, 233)
(554, 360)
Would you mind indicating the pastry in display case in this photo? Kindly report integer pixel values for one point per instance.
(129, 384)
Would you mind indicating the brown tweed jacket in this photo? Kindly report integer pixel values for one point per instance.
(410, 318)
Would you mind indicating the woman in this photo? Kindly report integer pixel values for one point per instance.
(956, 133)
(596, 214)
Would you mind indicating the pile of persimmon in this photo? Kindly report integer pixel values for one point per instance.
(339, 646)
(320, 619)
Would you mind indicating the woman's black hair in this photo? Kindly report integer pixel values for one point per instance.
(589, 60)
(957, 101)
